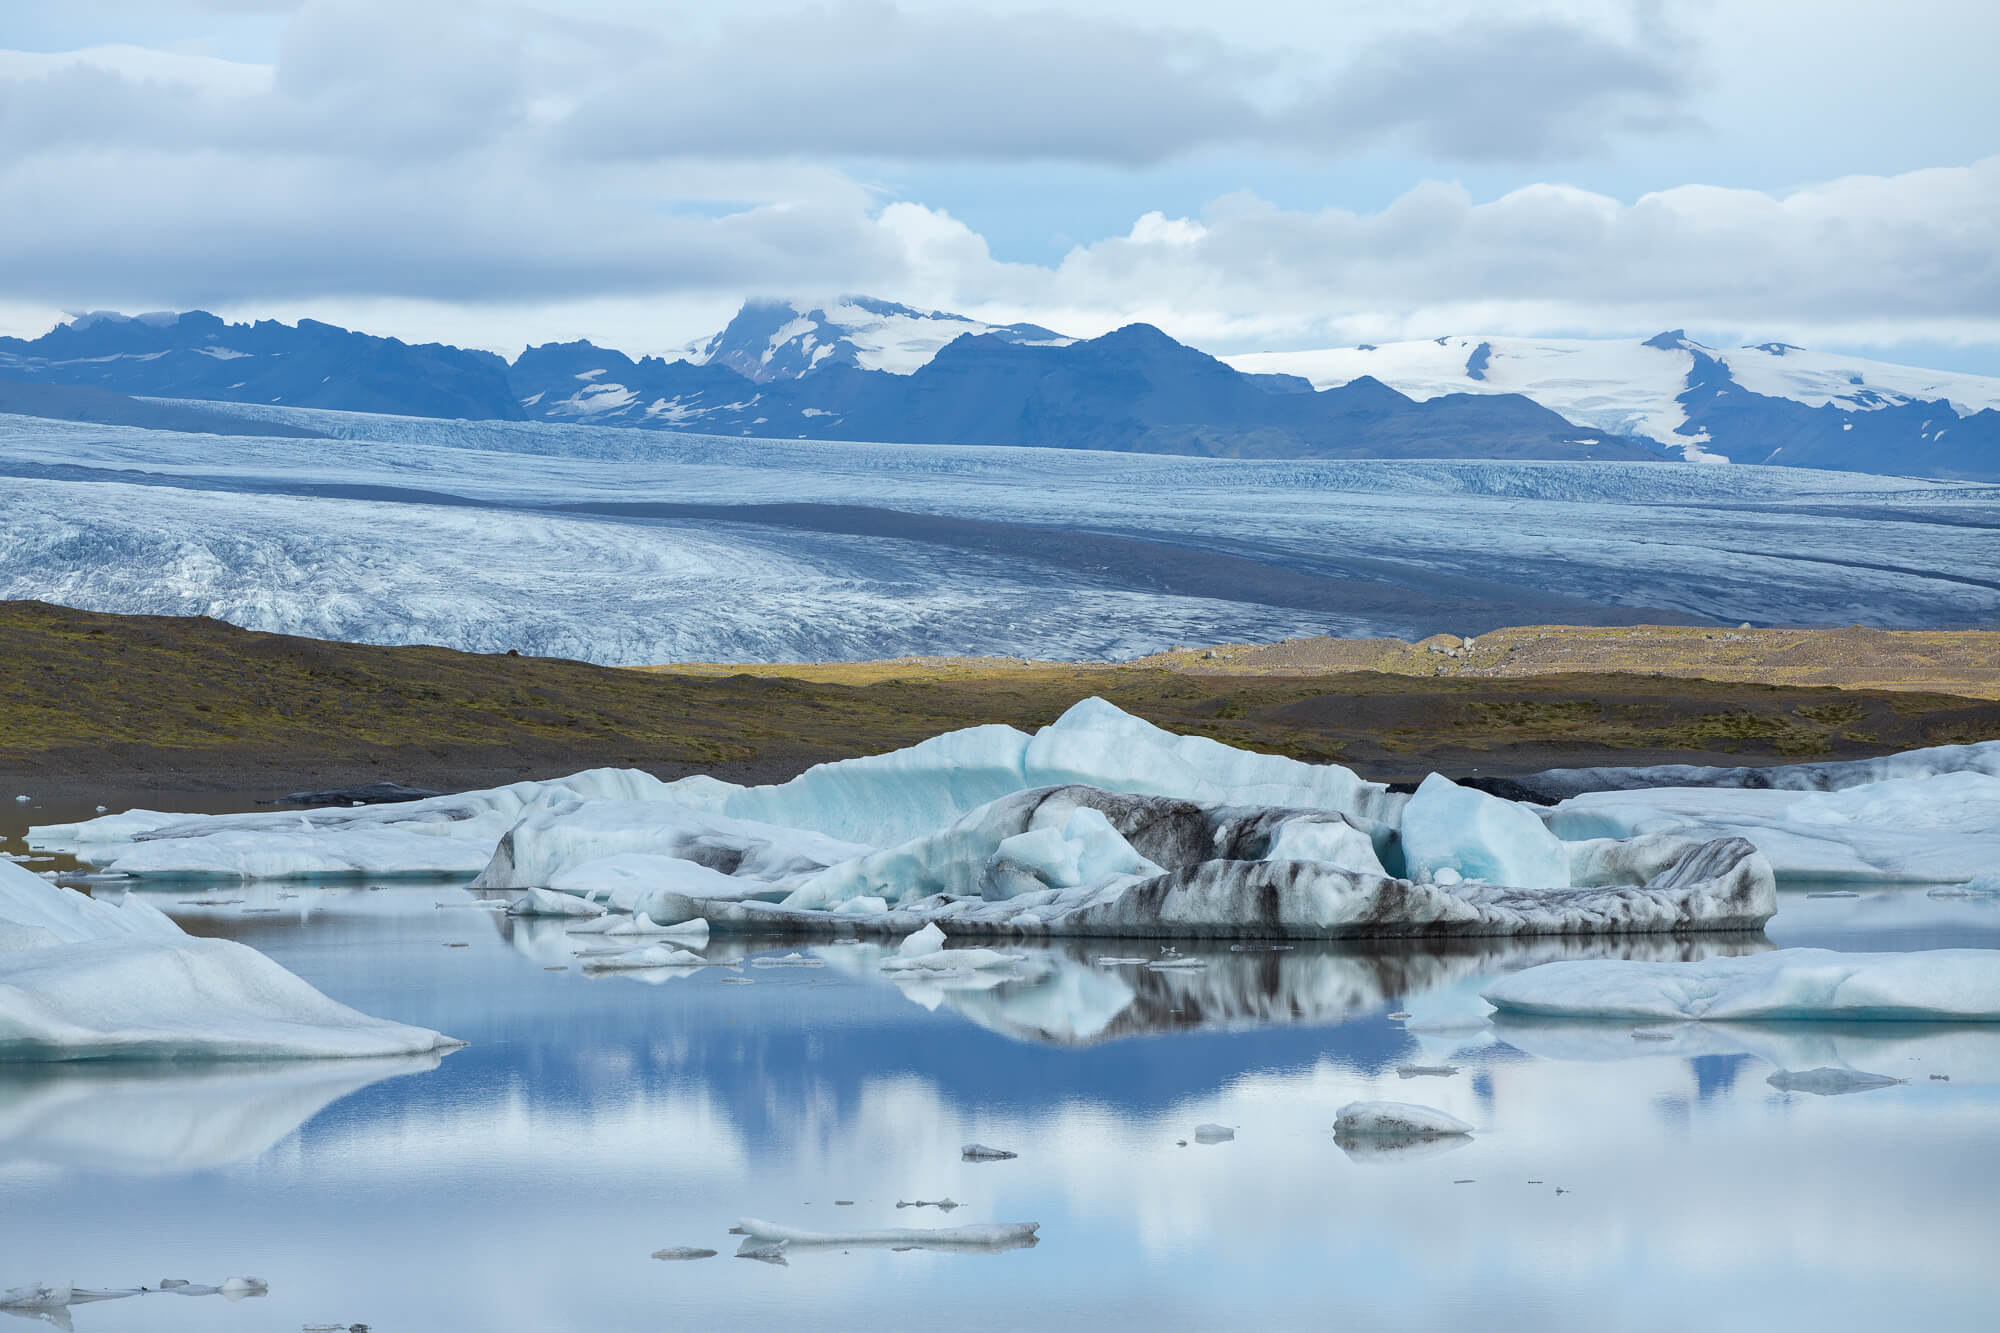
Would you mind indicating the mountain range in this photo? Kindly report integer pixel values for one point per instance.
(861, 369)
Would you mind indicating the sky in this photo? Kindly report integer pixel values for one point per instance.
(1249, 175)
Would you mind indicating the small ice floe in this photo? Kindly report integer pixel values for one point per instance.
(1399, 1015)
(680, 1252)
(653, 955)
(1426, 1071)
(1829, 1082)
(1109, 961)
(1395, 1120)
(979, 1152)
(1213, 1133)
(738, 981)
(788, 960)
(102, 809)
(764, 1252)
(943, 1205)
(1834, 893)
(547, 902)
(22, 799)
(1651, 1034)
(1261, 948)
(693, 932)
(981, 1237)
(1170, 957)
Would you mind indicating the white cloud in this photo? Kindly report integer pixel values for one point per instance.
(520, 171)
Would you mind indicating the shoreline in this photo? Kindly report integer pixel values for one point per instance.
(91, 701)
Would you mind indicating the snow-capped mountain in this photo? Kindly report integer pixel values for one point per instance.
(1133, 390)
(1767, 403)
(772, 340)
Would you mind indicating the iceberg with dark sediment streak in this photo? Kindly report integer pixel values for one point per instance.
(1098, 824)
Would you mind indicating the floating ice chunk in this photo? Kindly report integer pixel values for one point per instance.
(1829, 1082)
(954, 960)
(1213, 1133)
(979, 1152)
(1446, 826)
(768, 1252)
(694, 932)
(1937, 984)
(236, 1288)
(653, 955)
(1985, 886)
(543, 902)
(1395, 1120)
(921, 942)
(793, 959)
(607, 845)
(984, 1236)
(683, 1252)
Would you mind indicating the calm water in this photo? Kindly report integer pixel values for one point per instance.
(523, 1182)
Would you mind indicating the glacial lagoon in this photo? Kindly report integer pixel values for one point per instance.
(1619, 1173)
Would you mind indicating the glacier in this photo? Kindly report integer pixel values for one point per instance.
(86, 980)
(1935, 985)
(677, 547)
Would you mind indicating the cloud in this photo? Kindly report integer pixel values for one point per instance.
(409, 156)
(858, 79)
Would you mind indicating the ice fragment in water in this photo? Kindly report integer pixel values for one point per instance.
(921, 943)
(1212, 1133)
(944, 1204)
(1829, 1082)
(683, 1252)
(772, 1252)
(547, 902)
(984, 1236)
(1392, 1120)
(788, 960)
(1426, 1071)
(979, 1152)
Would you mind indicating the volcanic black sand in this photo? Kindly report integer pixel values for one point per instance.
(91, 701)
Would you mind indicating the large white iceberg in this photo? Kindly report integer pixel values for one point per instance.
(82, 979)
(1098, 824)
(1786, 984)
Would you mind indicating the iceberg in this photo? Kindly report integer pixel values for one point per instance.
(1947, 985)
(1098, 824)
(1395, 1120)
(980, 1236)
(81, 980)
